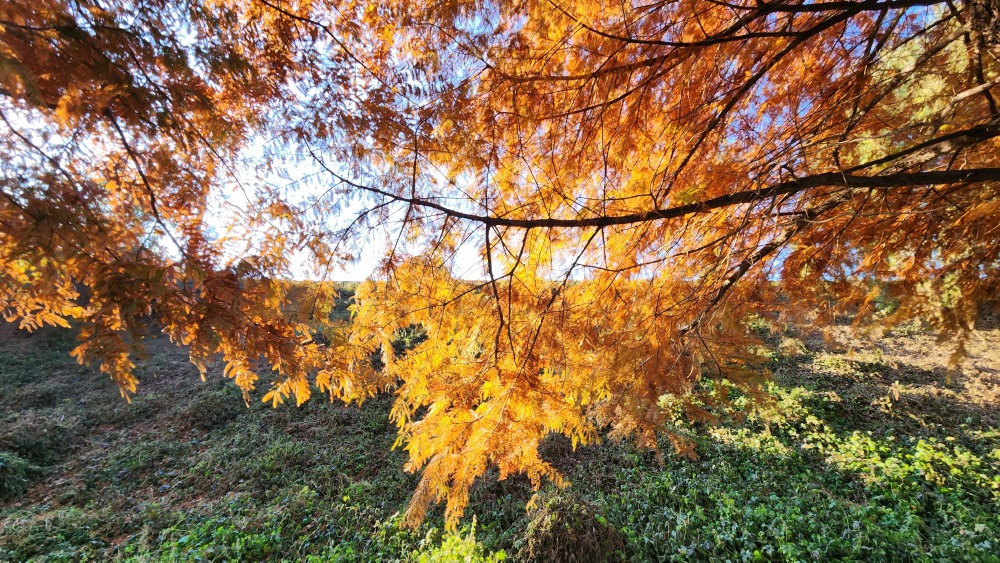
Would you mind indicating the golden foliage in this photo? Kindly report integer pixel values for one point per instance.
(635, 180)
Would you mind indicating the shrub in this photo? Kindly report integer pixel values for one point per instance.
(213, 409)
(567, 528)
(40, 438)
(456, 547)
(64, 534)
(14, 475)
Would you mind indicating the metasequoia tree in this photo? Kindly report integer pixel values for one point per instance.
(637, 178)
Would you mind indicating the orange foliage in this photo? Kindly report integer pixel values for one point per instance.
(636, 179)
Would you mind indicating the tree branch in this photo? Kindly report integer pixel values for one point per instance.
(830, 179)
(142, 175)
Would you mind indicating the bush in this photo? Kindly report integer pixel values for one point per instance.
(210, 410)
(64, 534)
(14, 475)
(456, 547)
(40, 438)
(567, 528)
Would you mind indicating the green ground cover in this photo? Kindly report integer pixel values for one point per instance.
(871, 453)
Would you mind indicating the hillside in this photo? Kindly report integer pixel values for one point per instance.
(872, 450)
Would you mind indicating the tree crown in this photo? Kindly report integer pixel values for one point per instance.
(634, 180)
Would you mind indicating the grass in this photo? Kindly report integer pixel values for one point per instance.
(873, 452)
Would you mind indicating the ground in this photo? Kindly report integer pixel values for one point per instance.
(873, 449)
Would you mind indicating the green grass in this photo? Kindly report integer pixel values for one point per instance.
(860, 457)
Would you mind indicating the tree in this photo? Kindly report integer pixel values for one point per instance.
(637, 179)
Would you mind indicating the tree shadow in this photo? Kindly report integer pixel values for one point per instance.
(878, 393)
